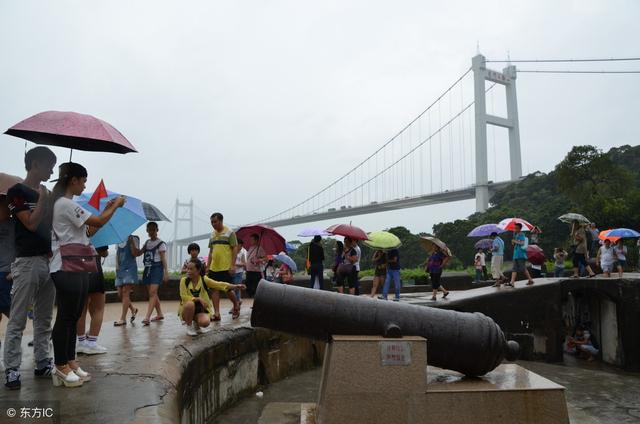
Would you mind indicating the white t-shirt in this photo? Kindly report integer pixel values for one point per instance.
(359, 253)
(68, 227)
(606, 255)
(151, 244)
(241, 259)
(483, 259)
(621, 252)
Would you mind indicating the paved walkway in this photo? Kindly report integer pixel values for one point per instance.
(139, 370)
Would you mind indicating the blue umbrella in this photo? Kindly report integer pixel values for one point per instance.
(623, 233)
(283, 258)
(485, 230)
(312, 232)
(290, 247)
(124, 221)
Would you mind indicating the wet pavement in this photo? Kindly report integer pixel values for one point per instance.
(141, 367)
(595, 393)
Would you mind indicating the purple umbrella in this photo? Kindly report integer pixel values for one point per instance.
(484, 244)
(312, 232)
(71, 130)
(485, 230)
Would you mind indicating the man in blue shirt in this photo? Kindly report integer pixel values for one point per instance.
(519, 243)
(393, 273)
(497, 258)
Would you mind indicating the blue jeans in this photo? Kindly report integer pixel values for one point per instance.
(478, 275)
(558, 271)
(315, 271)
(237, 279)
(392, 274)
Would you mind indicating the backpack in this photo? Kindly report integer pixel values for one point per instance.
(149, 255)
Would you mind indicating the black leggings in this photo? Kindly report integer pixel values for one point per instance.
(252, 279)
(71, 294)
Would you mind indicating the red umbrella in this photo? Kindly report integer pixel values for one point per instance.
(348, 230)
(509, 224)
(270, 240)
(535, 254)
(72, 130)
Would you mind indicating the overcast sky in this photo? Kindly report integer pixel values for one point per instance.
(248, 107)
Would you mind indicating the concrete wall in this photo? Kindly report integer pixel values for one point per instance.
(609, 340)
(237, 363)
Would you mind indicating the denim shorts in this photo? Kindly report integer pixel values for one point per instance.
(126, 276)
(153, 274)
(519, 265)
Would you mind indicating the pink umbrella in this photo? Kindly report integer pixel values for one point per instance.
(72, 130)
(270, 240)
(509, 224)
(348, 230)
(535, 254)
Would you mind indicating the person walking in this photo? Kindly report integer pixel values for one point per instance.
(127, 276)
(195, 304)
(595, 241)
(435, 264)
(31, 282)
(519, 242)
(380, 272)
(606, 257)
(337, 260)
(156, 271)
(316, 260)
(478, 259)
(559, 256)
(497, 259)
(393, 273)
(356, 265)
(223, 249)
(346, 271)
(581, 250)
(241, 267)
(87, 343)
(620, 251)
(71, 224)
(255, 259)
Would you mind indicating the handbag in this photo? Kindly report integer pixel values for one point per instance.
(78, 257)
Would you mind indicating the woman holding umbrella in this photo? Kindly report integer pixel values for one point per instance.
(435, 264)
(70, 223)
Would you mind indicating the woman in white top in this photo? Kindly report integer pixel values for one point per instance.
(620, 251)
(606, 257)
(70, 224)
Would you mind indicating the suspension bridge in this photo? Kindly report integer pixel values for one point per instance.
(442, 155)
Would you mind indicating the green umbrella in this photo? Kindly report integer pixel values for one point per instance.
(382, 240)
(570, 217)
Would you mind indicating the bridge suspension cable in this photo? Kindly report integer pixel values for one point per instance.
(338, 185)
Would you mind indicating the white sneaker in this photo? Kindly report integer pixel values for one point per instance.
(93, 348)
(204, 330)
(81, 347)
(191, 331)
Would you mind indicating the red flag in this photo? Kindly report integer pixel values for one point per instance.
(101, 192)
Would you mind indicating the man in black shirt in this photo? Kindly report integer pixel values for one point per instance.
(316, 260)
(30, 209)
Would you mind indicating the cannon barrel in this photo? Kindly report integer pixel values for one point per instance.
(470, 343)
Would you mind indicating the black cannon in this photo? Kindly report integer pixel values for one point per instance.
(470, 343)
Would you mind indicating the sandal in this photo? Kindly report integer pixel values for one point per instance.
(433, 298)
(216, 318)
(145, 322)
(445, 295)
(157, 318)
(119, 323)
(530, 283)
(235, 314)
(133, 315)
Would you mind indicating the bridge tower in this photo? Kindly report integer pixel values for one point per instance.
(507, 78)
(173, 247)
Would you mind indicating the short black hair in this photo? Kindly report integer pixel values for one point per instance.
(193, 246)
(152, 224)
(217, 215)
(317, 238)
(519, 225)
(40, 154)
(255, 236)
(240, 241)
(494, 234)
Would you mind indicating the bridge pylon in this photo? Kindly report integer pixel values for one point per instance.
(507, 78)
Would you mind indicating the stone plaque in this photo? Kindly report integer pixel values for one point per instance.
(395, 353)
